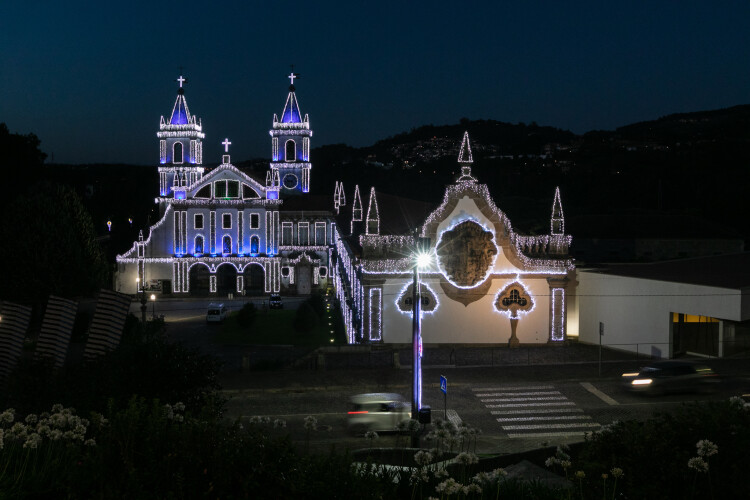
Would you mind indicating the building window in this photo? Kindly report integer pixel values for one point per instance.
(233, 189)
(198, 221)
(320, 233)
(254, 221)
(220, 189)
(177, 152)
(227, 245)
(226, 221)
(198, 248)
(303, 233)
(286, 233)
(254, 245)
(290, 150)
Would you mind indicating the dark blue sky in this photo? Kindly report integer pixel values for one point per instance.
(92, 79)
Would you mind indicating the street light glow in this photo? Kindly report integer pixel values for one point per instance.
(423, 259)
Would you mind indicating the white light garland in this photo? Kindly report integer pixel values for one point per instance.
(409, 310)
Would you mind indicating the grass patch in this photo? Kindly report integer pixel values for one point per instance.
(272, 327)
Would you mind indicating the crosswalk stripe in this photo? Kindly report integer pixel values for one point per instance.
(549, 426)
(536, 419)
(511, 388)
(537, 411)
(521, 405)
(535, 393)
(544, 398)
(544, 434)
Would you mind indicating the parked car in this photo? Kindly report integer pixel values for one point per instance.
(274, 301)
(216, 313)
(671, 376)
(377, 412)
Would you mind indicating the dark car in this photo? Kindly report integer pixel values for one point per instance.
(671, 376)
(274, 301)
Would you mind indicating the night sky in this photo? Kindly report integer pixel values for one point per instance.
(92, 79)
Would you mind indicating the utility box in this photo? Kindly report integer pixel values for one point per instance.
(425, 415)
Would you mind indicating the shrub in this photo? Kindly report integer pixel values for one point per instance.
(318, 304)
(246, 315)
(305, 318)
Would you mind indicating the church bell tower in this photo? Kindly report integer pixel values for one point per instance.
(290, 146)
(180, 148)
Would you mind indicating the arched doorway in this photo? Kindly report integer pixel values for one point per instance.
(199, 280)
(304, 278)
(255, 279)
(226, 280)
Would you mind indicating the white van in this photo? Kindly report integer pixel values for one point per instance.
(216, 313)
(377, 412)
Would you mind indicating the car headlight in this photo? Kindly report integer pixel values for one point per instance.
(642, 381)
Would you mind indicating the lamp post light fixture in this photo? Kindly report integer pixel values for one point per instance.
(153, 306)
(141, 288)
(421, 259)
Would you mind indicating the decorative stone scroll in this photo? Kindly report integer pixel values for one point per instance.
(466, 254)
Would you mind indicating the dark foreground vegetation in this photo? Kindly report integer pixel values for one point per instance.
(146, 422)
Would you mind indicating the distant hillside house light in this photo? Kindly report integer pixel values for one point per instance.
(109, 225)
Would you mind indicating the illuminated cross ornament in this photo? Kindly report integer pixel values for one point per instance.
(292, 76)
(226, 144)
(513, 299)
(181, 80)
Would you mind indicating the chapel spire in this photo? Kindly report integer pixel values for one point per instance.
(465, 159)
(557, 223)
(373, 215)
(356, 211)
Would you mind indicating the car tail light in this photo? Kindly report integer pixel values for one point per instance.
(357, 412)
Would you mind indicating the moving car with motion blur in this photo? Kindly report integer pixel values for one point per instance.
(377, 411)
(671, 376)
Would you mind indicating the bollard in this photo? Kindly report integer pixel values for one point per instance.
(396, 360)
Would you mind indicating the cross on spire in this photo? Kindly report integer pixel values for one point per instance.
(181, 80)
(292, 76)
(226, 144)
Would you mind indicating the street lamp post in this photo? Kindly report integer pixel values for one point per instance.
(153, 306)
(141, 287)
(421, 259)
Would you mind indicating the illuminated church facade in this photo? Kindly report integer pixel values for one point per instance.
(224, 232)
(480, 280)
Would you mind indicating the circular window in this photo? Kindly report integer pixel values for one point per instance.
(290, 181)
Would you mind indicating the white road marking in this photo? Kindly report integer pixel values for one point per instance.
(545, 434)
(599, 394)
(521, 405)
(531, 419)
(453, 417)
(549, 426)
(537, 411)
(536, 393)
(519, 388)
(545, 398)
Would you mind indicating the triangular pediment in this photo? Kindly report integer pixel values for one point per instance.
(229, 172)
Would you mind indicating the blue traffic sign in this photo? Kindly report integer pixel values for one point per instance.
(443, 384)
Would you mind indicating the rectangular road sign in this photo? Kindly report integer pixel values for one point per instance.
(443, 384)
